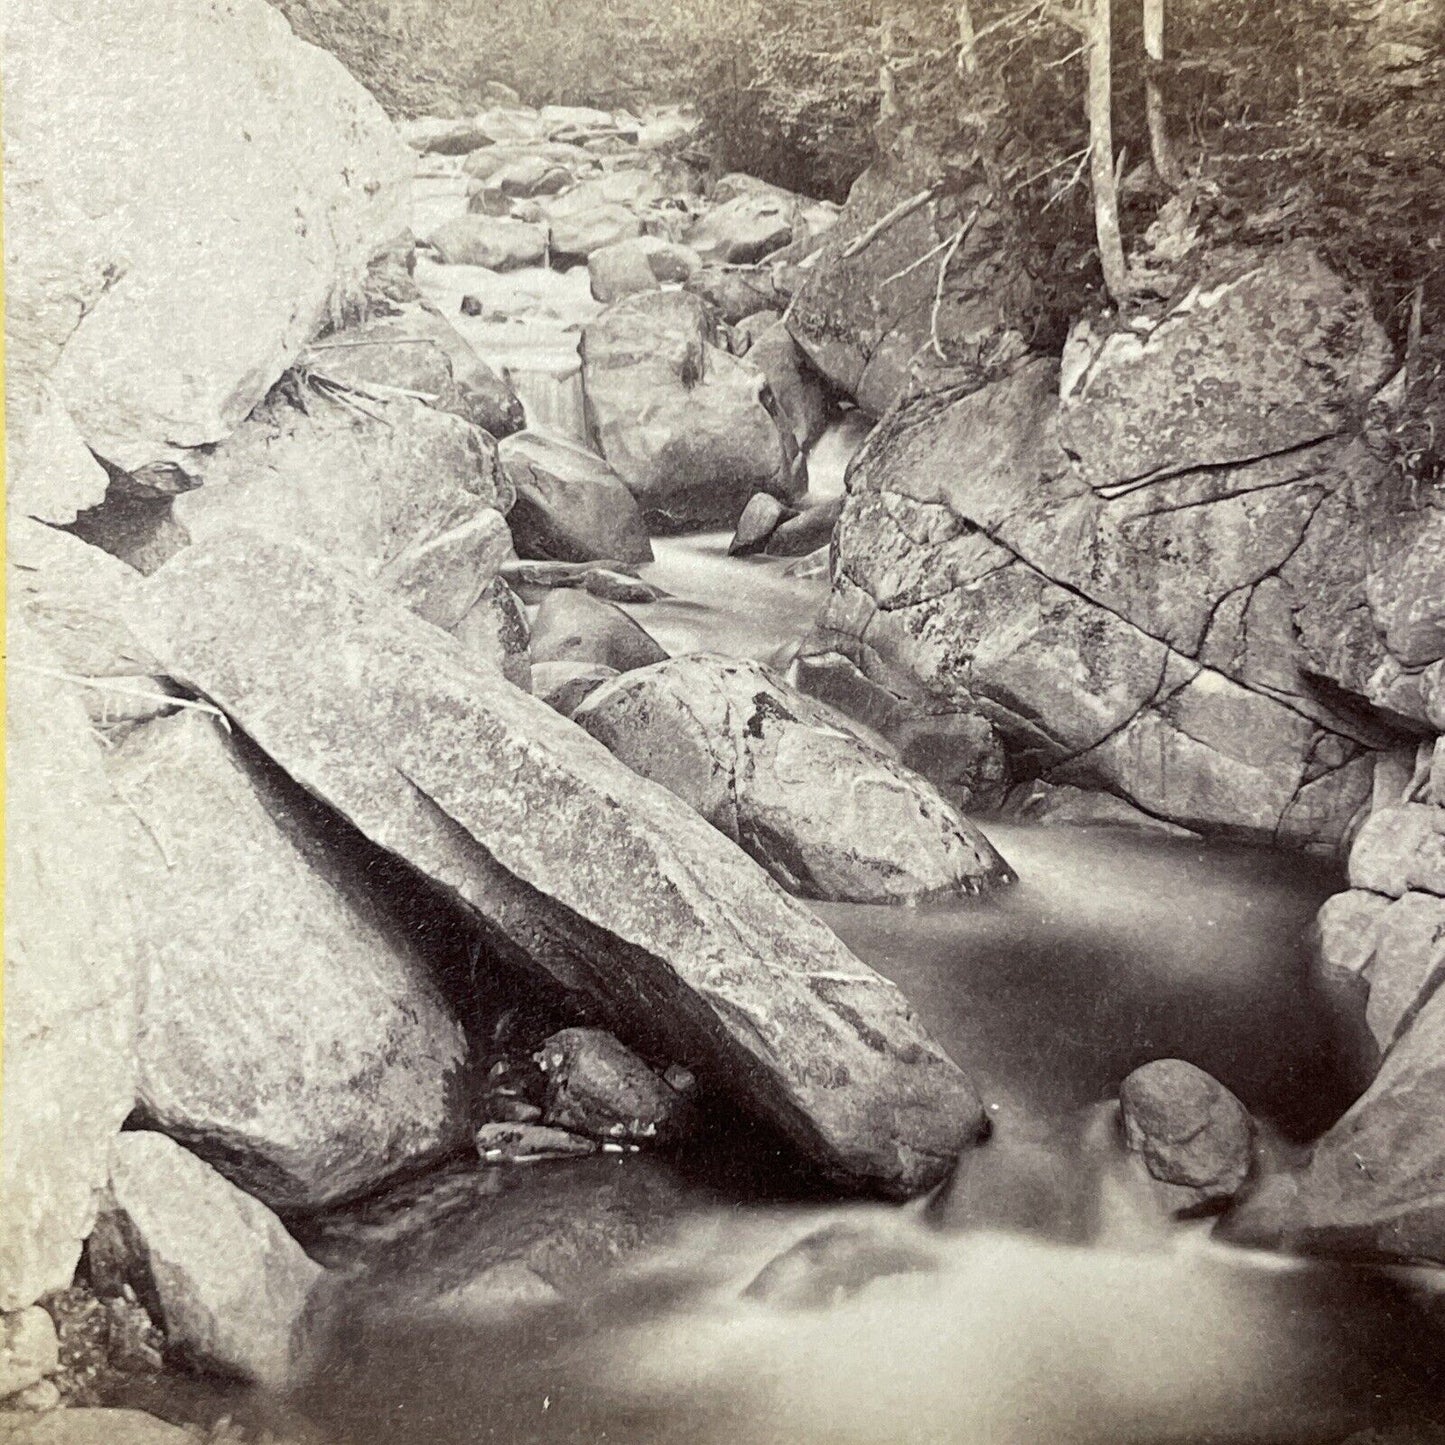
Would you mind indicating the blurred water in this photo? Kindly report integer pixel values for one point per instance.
(1057, 1302)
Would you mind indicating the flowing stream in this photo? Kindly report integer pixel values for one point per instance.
(1049, 1299)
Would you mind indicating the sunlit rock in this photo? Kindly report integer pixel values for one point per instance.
(291, 1032)
(693, 431)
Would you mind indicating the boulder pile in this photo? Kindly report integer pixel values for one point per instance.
(290, 844)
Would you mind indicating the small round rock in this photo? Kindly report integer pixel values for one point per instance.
(1187, 1127)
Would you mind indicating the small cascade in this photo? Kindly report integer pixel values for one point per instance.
(551, 395)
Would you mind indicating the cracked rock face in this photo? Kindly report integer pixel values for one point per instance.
(1167, 608)
(829, 816)
(568, 862)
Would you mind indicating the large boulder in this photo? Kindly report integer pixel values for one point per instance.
(70, 972)
(796, 386)
(29, 1350)
(165, 261)
(93, 1425)
(1135, 585)
(743, 230)
(482, 165)
(810, 529)
(497, 242)
(826, 814)
(1371, 1186)
(215, 1268)
(403, 493)
(576, 235)
(568, 861)
(643, 263)
(1190, 1131)
(570, 505)
(1399, 849)
(693, 431)
(291, 1032)
(869, 311)
(598, 1087)
(574, 626)
(759, 520)
(434, 135)
(417, 349)
(530, 175)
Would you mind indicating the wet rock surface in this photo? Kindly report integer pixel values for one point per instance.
(573, 626)
(599, 1087)
(836, 1262)
(570, 505)
(1370, 1187)
(827, 815)
(1188, 1128)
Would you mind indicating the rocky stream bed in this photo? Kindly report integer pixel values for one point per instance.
(627, 820)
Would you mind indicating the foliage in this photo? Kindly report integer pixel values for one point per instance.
(1323, 118)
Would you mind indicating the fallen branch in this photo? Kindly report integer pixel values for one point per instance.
(1073, 179)
(1050, 169)
(115, 684)
(963, 230)
(902, 209)
(914, 265)
(374, 341)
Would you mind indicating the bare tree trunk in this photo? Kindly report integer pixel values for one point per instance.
(1101, 141)
(885, 129)
(967, 59)
(1159, 147)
